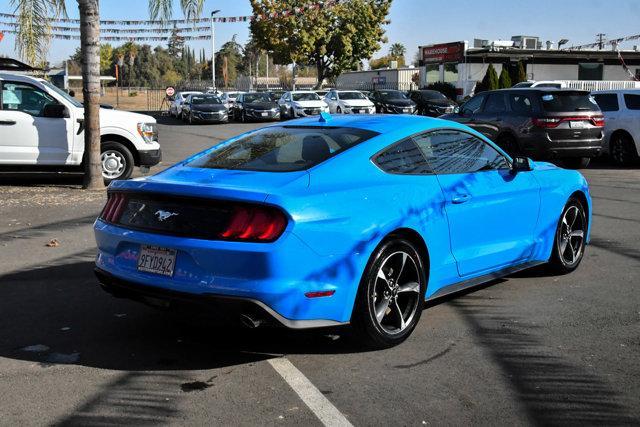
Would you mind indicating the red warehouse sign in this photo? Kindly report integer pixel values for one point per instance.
(445, 52)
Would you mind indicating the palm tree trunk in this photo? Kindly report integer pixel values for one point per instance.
(90, 48)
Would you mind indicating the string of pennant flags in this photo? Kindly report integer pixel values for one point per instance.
(217, 19)
(196, 29)
(612, 42)
(118, 38)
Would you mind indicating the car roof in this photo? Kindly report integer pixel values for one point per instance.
(19, 77)
(632, 91)
(380, 123)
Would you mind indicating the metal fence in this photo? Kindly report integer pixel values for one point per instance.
(403, 86)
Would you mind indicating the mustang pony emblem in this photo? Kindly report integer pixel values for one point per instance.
(163, 215)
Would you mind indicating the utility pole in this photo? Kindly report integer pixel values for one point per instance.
(213, 51)
(267, 70)
(600, 39)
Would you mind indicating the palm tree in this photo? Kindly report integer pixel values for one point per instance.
(397, 50)
(32, 40)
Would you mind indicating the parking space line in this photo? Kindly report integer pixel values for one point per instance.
(310, 395)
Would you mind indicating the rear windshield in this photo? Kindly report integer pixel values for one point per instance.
(257, 97)
(351, 95)
(392, 94)
(432, 94)
(566, 101)
(282, 148)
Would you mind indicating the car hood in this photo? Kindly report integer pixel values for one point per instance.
(119, 118)
(217, 183)
(261, 105)
(208, 107)
(399, 102)
(311, 104)
(357, 103)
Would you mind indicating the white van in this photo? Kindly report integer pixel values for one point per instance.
(41, 125)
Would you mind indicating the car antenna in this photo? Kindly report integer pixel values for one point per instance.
(325, 117)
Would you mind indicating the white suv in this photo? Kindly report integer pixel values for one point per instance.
(621, 109)
(42, 126)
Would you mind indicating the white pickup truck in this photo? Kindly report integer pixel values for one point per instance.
(42, 127)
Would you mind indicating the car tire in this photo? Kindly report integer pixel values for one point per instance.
(117, 161)
(509, 144)
(391, 294)
(622, 150)
(576, 162)
(292, 113)
(338, 110)
(243, 117)
(190, 119)
(570, 238)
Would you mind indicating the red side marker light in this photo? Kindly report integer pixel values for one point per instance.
(319, 294)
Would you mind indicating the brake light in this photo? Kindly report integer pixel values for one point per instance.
(552, 122)
(114, 207)
(598, 121)
(255, 223)
(546, 122)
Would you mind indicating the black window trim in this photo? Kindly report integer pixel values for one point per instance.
(373, 158)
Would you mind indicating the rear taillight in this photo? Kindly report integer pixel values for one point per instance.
(114, 207)
(546, 122)
(255, 223)
(552, 122)
(598, 121)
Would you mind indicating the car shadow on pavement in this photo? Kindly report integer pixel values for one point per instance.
(59, 314)
(30, 179)
(552, 389)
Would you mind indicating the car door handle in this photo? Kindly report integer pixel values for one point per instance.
(7, 122)
(460, 198)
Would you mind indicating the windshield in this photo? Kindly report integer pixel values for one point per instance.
(305, 96)
(566, 101)
(351, 95)
(256, 97)
(62, 93)
(524, 84)
(282, 149)
(392, 94)
(432, 94)
(205, 99)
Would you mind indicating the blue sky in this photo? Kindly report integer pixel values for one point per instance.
(418, 22)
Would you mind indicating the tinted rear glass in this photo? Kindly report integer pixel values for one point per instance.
(205, 99)
(566, 101)
(632, 101)
(282, 148)
(607, 101)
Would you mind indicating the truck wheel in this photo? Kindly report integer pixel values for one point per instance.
(576, 162)
(117, 161)
(622, 150)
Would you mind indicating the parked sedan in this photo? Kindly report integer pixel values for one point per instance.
(175, 108)
(339, 220)
(349, 102)
(542, 123)
(229, 98)
(432, 103)
(301, 103)
(621, 109)
(255, 106)
(204, 108)
(392, 102)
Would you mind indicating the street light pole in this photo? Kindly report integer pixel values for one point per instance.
(213, 51)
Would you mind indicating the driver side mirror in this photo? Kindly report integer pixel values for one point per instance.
(55, 111)
(520, 164)
(333, 98)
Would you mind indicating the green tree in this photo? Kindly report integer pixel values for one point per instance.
(490, 80)
(106, 59)
(32, 42)
(175, 45)
(522, 73)
(504, 82)
(397, 50)
(331, 38)
(385, 62)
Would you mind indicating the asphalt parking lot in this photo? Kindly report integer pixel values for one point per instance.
(527, 350)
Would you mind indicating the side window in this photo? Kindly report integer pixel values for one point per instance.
(495, 103)
(520, 103)
(402, 158)
(632, 101)
(25, 98)
(473, 105)
(450, 152)
(607, 101)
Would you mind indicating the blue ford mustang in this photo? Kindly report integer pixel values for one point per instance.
(336, 220)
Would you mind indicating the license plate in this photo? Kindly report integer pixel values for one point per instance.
(264, 114)
(577, 125)
(157, 260)
(407, 110)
